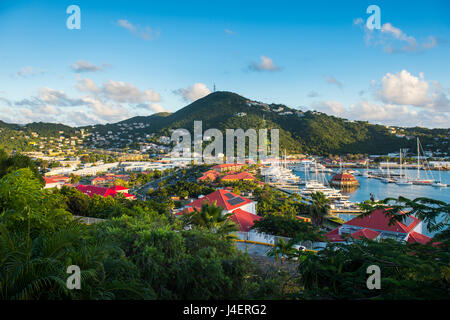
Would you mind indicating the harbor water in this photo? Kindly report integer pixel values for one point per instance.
(382, 190)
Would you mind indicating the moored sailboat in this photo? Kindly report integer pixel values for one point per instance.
(403, 180)
(419, 180)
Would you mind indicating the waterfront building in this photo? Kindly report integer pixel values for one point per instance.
(344, 180)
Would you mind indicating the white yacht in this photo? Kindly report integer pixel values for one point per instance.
(303, 165)
(279, 174)
(314, 185)
(439, 183)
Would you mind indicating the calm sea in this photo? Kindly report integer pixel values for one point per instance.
(383, 190)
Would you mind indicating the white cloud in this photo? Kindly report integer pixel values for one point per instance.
(28, 71)
(48, 109)
(107, 110)
(228, 31)
(4, 101)
(194, 92)
(387, 114)
(332, 80)
(404, 88)
(399, 115)
(265, 64)
(393, 40)
(111, 102)
(25, 72)
(57, 98)
(87, 85)
(127, 25)
(155, 107)
(118, 91)
(366, 110)
(82, 118)
(107, 101)
(51, 97)
(329, 107)
(404, 100)
(84, 66)
(126, 92)
(431, 44)
(145, 33)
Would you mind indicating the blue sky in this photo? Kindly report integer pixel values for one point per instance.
(139, 57)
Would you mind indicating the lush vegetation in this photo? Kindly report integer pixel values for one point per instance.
(287, 227)
(274, 202)
(408, 271)
(141, 251)
(11, 163)
(18, 138)
(144, 256)
(182, 189)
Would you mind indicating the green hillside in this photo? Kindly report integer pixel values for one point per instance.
(307, 132)
(300, 131)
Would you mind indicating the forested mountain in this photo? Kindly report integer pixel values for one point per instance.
(300, 131)
(307, 132)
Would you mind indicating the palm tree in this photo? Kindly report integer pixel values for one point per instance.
(319, 208)
(282, 250)
(211, 218)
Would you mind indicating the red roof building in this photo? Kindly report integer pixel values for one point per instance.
(243, 210)
(344, 179)
(417, 237)
(377, 226)
(245, 220)
(225, 199)
(56, 181)
(105, 192)
(227, 167)
(209, 175)
(120, 189)
(244, 176)
(365, 233)
(109, 178)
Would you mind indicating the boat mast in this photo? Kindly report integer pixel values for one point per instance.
(388, 172)
(418, 160)
(305, 164)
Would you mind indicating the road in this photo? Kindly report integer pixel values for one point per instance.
(141, 191)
